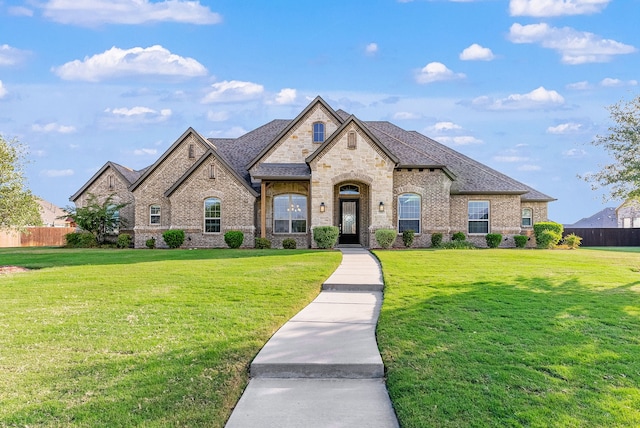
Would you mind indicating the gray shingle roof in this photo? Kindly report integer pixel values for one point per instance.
(283, 171)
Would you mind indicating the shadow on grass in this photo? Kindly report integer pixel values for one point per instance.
(526, 353)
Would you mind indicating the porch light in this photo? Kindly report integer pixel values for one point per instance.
(381, 207)
(322, 207)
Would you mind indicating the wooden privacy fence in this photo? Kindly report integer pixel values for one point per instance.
(606, 237)
(35, 237)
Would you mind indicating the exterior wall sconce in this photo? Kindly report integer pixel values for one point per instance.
(322, 207)
(381, 207)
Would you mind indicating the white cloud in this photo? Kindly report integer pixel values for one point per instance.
(405, 115)
(233, 91)
(3, 90)
(98, 12)
(233, 132)
(445, 126)
(217, 116)
(460, 140)
(579, 86)
(116, 62)
(145, 152)
(544, 8)
(286, 96)
(575, 47)
(138, 114)
(539, 98)
(475, 52)
(437, 72)
(510, 159)
(574, 153)
(609, 82)
(20, 11)
(54, 173)
(565, 128)
(11, 56)
(53, 127)
(529, 168)
(371, 49)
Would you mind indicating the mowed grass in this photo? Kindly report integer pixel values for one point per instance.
(117, 338)
(510, 338)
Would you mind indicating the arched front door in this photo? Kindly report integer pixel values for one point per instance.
(349, 224)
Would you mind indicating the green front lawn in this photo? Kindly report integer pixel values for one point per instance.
(140, 337)
(512, 337)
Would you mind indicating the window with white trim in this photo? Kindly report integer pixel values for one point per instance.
(527, 217)
(478, 216)
(318, 132)
(290, 214)
(409, 207)
(154, 214)
(212, 215)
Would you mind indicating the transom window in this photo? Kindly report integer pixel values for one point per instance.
(318, 132)
(527, 217)
(349, 189)
(478, 217)
(212, 215)
(409, 212)
(290, 214)
(154, 214)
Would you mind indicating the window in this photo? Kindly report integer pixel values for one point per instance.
(478, 217)
(290, 214)
(351, 140)
(318, 132)
(212, 215)
(154, 214)
(527, 217)
(409, 212)
(349, 189)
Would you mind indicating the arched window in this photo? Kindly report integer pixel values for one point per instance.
(290, 214)
(349, 189)
(154, 214)
(318, 132)
(212, 215)
(409, 212)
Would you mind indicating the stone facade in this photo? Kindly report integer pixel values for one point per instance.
(353, 178)
(629, 214)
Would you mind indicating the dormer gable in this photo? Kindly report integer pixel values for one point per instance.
(304, 134)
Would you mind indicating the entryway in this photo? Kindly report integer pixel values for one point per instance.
(349, 224)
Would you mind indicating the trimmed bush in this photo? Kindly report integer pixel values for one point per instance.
(407, 237)
(124, 240)
(150, 243)
(572, 241)
(326, 236)
(521, 240)
(263, 243)
(174, 238)
(289, 244)
(493, 240)
(436, 239)
(458, 245)
(80, 240)
(548, 234)
(385, 237)
(459, 236)
(234, 238)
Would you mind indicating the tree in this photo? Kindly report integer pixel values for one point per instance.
(18, 206)
(622, 176)
(100, 219)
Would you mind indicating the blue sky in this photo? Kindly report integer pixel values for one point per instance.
(520, 85)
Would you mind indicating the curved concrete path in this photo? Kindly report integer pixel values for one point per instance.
(323, 367)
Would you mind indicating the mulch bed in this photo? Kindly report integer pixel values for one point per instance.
(12, 269)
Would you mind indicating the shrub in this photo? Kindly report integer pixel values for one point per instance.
(493, 240)
(521, 240)
(458, 245)
(262, 243)
(173, 237)
(80, 240)
(124, 240)
(572, 241)
(407, 237)
(289, 244)
(548, 234)
(436, 239)
(234, 238)
(458, 236)
(385, 237)
(326, 236)
(150, 243)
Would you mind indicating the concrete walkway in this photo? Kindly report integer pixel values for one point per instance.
(323, 367)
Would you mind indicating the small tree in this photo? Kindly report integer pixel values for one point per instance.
(100, 219)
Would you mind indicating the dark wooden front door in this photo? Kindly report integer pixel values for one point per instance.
(349, 227)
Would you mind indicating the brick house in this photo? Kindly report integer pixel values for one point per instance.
(324, 167)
